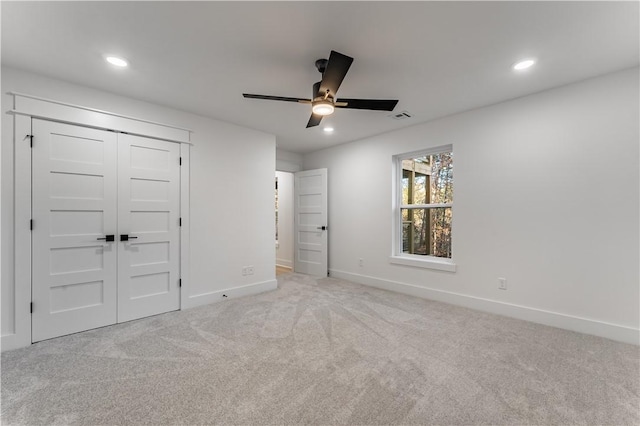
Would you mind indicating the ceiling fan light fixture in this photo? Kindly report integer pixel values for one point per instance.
(323, 107)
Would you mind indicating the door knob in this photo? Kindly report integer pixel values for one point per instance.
(108, 238)
(126, 237)
(322, 228)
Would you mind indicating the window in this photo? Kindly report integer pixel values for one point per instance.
(423, 208)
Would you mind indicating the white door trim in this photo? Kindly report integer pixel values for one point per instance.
(22, 237)
(185, 239)
(48, 109)
(21, 335)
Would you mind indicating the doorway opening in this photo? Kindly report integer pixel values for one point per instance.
(284, 222)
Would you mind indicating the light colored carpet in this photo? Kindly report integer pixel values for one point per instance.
(323, 352)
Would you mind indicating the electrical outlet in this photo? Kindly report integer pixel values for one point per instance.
(250, 270)
(361, 262)
(502, 283)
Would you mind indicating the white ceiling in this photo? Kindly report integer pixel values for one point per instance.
(437, 58)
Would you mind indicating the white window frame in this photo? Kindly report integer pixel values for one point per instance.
(398, 257)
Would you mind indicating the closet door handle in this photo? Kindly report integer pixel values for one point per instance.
(126, 237)
(108, 238)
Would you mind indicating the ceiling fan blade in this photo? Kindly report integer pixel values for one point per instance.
(375, 104)
(314, 120)
(337, 68)
(275, 98)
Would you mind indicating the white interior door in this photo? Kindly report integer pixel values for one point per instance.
(310, 222)
(149, 214)
(74, 208)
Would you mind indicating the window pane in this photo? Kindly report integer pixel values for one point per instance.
(415, 181)
(406, 175)
(441, 178)
(428, 179)
(427, 231)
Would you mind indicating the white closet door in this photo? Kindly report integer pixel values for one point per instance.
(74, 205)
(148, 213)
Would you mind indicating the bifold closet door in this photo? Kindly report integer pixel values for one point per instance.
(74, 208)
(148, 222)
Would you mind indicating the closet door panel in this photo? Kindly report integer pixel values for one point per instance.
(74, 205)
(148, 214)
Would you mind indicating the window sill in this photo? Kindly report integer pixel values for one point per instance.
(427, 262)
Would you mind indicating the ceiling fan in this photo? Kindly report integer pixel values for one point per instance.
(324, 101)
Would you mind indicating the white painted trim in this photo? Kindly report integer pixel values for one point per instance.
(9, 342)
(24, 95)
(426, 206)
(423, 152)
(108, 128)
(231, 293)
(285, 263)
(427, 262)
(185, 229)
(554, 319)
(66, 113)
(22, 236)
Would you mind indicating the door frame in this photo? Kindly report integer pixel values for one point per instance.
(285, 220)
(27, 107)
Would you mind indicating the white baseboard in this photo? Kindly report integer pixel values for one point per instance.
(582, 325)
(285, 263)
(230, 293)
(14, 341)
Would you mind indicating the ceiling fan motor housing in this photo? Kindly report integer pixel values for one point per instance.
(321, 65)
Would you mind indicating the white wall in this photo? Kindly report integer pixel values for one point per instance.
(284, 250)
(287, 161)
(546, 194)
(232, 216)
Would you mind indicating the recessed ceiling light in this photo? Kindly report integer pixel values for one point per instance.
(328, 129)
(523, 65)
(118, 62)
